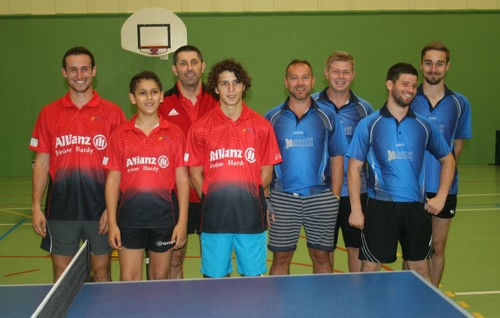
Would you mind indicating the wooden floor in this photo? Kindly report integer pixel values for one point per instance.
(471, 278)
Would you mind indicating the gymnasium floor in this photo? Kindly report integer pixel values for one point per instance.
(472, 275)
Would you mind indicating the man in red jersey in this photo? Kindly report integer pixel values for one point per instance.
(182, 105)
(69, 138)
(231, 153)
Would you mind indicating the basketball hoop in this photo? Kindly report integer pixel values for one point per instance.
(154, 50)
(153, 32)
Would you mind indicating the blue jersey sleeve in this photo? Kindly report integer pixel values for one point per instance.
(437, 145)
(358, 149)
(337, 141)
(464, 127)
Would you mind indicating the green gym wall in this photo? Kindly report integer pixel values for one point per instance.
(32, 49)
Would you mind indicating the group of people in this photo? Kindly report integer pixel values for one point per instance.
(197, 159)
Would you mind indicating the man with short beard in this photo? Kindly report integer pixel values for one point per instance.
(451, 112)
(69, 139)
(393, 141)
(312, 144)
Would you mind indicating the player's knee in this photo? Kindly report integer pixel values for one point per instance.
(101, 271)
(319, 257)
(158, 274)
(370, 267)
(282, 258)
(101, 275)
(423, 271)
(176, 262)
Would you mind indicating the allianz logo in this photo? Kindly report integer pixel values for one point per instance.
(224, 153)
(161, 161)
(99, 141)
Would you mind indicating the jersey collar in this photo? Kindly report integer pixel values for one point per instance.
(93, 102)
(447, 91)
(164, 124)
(324, 97)
(384, 111)
(287, 107)
(245, 113)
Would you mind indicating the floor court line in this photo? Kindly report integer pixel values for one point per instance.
(15, 213)
(491, 292)
(6, 209)
(11, 224)
(11, 229)
(484, 209)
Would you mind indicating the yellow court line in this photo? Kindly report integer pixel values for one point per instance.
(16, 213)
(463, 304)
(450, 294)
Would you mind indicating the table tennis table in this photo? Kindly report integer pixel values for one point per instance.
(381, 294)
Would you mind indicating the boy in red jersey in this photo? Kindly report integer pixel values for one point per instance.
(231, 153)
(145, 165)
(182, 105)
(69, 138)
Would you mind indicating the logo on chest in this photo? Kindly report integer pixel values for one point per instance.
(233, 157)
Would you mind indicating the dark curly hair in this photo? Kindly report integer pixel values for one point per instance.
(229, 65)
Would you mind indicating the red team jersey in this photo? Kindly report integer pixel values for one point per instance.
(173, 110)
(232, 154)
(147, 165)
(75, 139)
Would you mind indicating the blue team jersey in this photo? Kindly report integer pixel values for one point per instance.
(349, 115)
(395, 153)
(306, 145)
(452, 115)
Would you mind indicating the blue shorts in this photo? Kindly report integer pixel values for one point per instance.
(250, 250)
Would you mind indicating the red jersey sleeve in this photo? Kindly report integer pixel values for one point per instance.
(113, 157)
(193, 155)
(269, 148)
(40, 138)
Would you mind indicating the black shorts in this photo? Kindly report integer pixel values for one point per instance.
(449, 208)
(156, 240)
(351, 235)
(387, 222)
(194, 218)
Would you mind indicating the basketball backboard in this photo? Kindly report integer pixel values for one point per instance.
(153, 32)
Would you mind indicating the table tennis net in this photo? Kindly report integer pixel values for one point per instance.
(63, 293)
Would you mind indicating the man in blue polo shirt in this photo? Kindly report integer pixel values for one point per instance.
(393, 141)
(350, 109)
(312, 145)
(451, 112)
